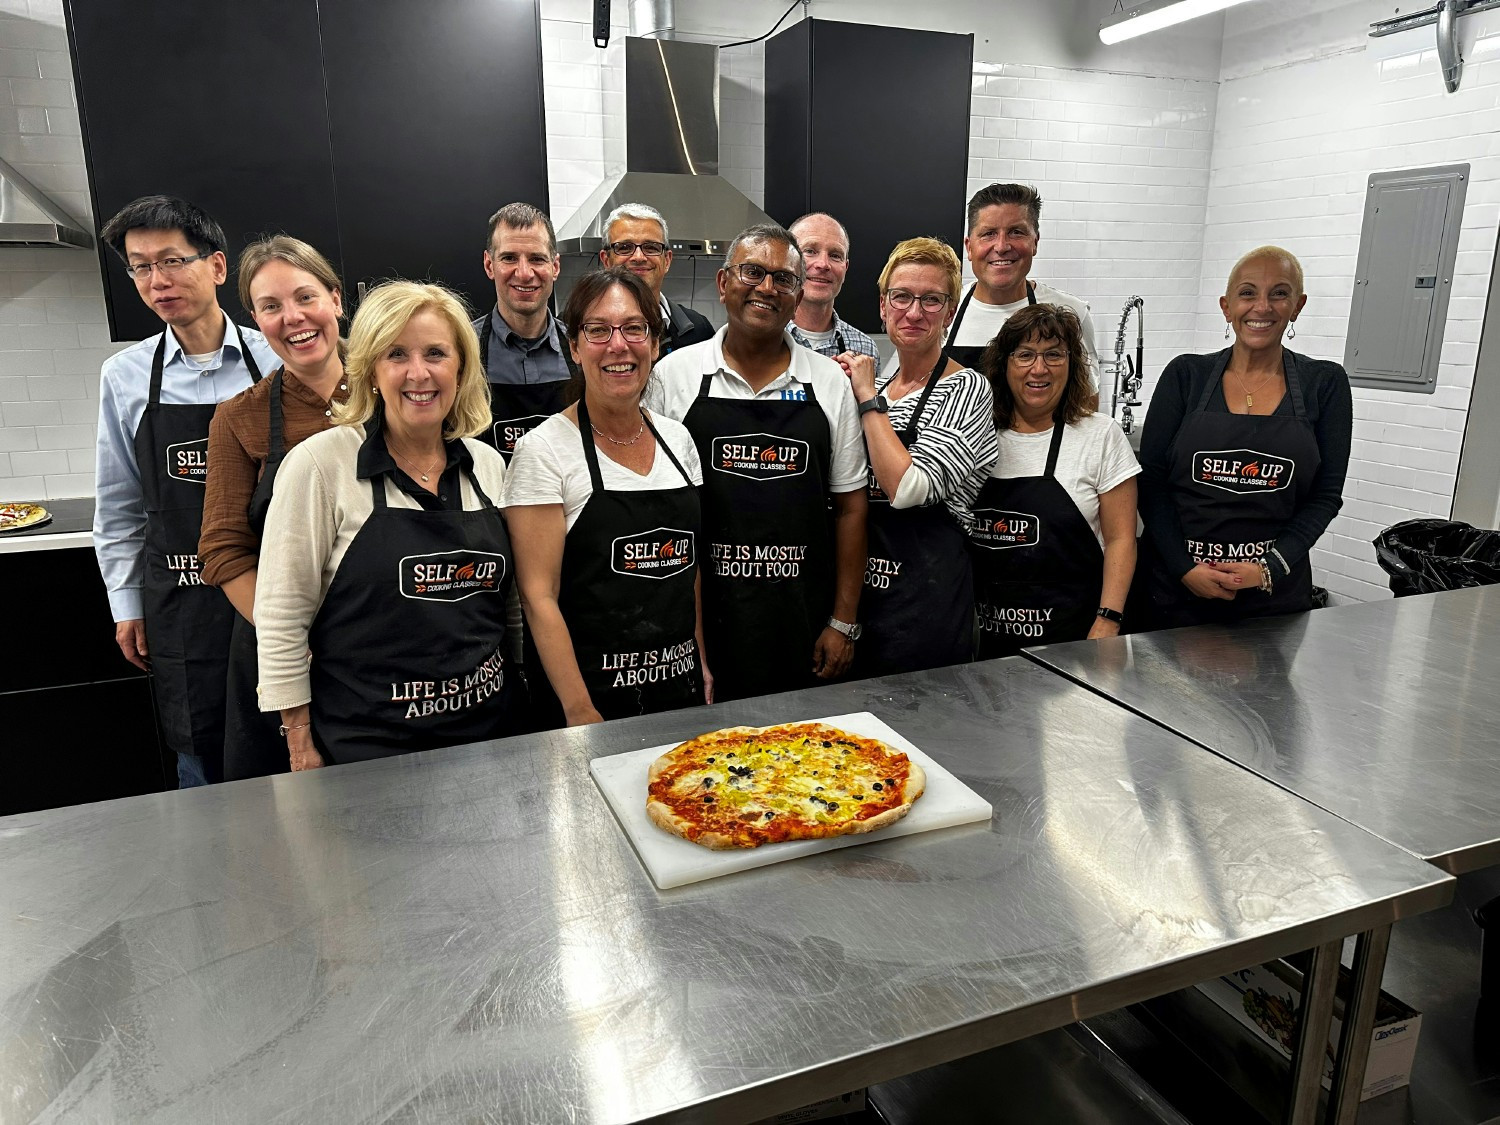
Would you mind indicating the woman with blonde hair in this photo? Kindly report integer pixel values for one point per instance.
(1243, 458)
(931, 440)
(296, 299)
(386, 558)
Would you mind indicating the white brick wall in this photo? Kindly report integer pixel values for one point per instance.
(53, 335)
(1297, 135)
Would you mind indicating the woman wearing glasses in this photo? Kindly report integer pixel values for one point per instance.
(1053, 538)
(928, 428)
(602, 504)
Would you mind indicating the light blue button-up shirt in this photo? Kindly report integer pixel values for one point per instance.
(124, 386)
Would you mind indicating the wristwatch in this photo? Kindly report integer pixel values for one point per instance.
(1110, 614)
(879, 404)
(852, 631)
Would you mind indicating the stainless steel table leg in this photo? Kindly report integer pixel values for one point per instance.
(1359, 1022)
(1318, 988)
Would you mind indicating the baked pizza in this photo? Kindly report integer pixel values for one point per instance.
(746, 786)
(13, 517)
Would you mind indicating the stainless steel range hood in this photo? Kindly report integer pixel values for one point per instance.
(671, 154)
(29, 218)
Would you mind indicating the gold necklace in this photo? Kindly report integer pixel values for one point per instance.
(1249, 397)
(413, 464)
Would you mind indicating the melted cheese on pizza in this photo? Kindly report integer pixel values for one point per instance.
(797, 781)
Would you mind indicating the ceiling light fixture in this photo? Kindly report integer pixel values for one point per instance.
(1142, 18)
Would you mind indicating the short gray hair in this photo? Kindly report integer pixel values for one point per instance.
(636, 211)
(766, 232)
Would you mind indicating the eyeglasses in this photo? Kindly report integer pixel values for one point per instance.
(597, 332)
(901, 300)
(1025, 357)
(628, 249)
(168, 266)
(752, 274)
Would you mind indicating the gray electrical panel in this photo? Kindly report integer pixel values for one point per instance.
(1403, 278)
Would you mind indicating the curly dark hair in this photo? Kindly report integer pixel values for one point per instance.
(1039, 322)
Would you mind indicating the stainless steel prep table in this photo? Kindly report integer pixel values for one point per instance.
(467, 935)
(1386, 713)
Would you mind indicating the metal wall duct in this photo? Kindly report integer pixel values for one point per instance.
(29, 218)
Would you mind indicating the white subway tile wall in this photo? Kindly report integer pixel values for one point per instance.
(1294, 146)
(1152, 186)
(53, 334)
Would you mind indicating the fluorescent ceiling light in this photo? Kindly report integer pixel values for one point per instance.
(1148, 17)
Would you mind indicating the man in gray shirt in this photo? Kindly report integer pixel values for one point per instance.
(825, 250)
(522, 345)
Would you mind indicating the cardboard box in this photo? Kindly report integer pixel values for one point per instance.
(1265, 999)
(824, 1110)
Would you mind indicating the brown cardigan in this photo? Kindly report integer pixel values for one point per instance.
(238, 439)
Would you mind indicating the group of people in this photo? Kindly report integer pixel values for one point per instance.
(436, 529)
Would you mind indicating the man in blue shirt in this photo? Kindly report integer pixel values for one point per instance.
(156, 399)
(825, 250)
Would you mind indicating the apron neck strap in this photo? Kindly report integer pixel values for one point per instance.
(484, 344)
(586, 435)
(276, 443)
(909, 431)
(1289, 367)
(245, 354)
(1030, 293)
(665, 448)
(963, 307)
(1053, 447)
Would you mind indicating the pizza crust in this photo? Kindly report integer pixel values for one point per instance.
(665, 817)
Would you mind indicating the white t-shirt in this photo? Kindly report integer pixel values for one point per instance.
(1093, 458)
(549, 467)
(817, 341)
(675, 381)
(982, 322)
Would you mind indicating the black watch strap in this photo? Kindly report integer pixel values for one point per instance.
(1110, 615)
(879, 404)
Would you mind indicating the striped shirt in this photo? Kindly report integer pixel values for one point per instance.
(955, 447)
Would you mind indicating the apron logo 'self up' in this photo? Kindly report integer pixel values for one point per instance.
(1242, 471)
(659, 553)
(759, 456)
(451, 576)
(998, 530)
(508, 431)
(188, 461)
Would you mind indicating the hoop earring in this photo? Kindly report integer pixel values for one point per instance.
(1291, 330)
(1226, 330)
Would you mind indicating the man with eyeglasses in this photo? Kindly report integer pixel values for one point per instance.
(778, 433)
(156, 399)
(1004, 224)
(825, 250)
(521, 344)
(635, 237)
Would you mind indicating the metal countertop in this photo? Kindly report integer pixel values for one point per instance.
(1386, 713)
(467, 935)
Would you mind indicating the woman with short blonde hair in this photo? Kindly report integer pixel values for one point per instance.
(388, 559)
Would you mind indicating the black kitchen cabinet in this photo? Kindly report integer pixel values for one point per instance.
(382, 132)
(870, 124)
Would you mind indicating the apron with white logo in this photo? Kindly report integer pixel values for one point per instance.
(408, 647)
(1038, 567)
(768, 580)
(187, 623)
(516, 408)
(1236, 480)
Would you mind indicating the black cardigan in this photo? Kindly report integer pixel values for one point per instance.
(1330, 408)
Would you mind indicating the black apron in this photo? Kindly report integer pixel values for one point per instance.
(253, 745)
(918, 602)
(970, 355)
(187, 623)
(626, 594)
(408, 647)
(1236, 480)
(516, 408)
(1038, 567)
(768, 586)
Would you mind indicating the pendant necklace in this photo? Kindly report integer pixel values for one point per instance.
(419, 472)
(1249, 399)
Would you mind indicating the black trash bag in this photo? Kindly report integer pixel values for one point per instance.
(1424, 556)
